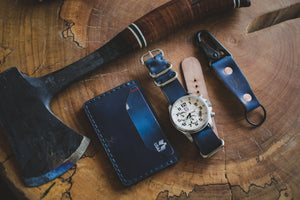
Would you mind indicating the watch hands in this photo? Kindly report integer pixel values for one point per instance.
(185, 115)
(189, 116)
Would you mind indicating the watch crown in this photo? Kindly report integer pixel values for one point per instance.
(212, 114)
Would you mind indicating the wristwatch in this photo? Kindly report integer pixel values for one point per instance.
(190, 114)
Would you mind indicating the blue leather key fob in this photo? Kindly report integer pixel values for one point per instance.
(128, 129)
(236, 82)
(229, 72)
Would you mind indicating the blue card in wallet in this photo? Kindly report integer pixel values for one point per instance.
(127, 127)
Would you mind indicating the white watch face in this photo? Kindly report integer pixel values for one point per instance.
(189, 113)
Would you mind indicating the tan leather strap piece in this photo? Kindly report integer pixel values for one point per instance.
(194, 79)
(193, 76)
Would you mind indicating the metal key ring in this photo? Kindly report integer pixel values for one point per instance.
(263, 120)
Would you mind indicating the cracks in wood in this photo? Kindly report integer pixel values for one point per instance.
(260, 149)
(7, 158)
(67, 32)
(196, 193)
(67, 194)
(41, 66)
(164, 195)
(37, 69)
(229, 186)
(64, 178)
(254, 189)
(233, 191)
(225, 173)
(4, 53)
(92, 151)
(92, 154)
(47, 191)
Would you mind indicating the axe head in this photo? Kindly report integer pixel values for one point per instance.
(44, 146)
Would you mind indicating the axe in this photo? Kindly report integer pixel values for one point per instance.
(43, 145)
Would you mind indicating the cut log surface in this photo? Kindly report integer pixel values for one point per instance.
(255, 163)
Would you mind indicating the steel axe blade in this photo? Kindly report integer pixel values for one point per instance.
(43, 145)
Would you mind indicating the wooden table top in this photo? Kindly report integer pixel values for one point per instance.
(256, 163)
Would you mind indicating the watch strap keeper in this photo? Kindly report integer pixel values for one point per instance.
(165, 77)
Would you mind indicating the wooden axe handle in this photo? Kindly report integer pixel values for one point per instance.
(148, 29)
(168, 17)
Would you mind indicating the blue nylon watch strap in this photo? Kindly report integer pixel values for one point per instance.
(173, 90)
(206, 140)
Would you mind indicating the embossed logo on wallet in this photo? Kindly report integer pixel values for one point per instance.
(160, 145)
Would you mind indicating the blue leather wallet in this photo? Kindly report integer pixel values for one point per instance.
(128, 129)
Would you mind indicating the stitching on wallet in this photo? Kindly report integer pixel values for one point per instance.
(106, 147)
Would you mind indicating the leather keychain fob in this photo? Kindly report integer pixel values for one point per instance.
(189, 113)
(228, 71)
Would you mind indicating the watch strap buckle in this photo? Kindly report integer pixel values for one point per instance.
(150, 53)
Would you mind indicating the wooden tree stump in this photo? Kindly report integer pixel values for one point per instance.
(256, 163)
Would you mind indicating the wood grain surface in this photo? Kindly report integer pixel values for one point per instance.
(256, 163)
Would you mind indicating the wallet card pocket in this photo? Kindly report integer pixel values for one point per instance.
(128, 129)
